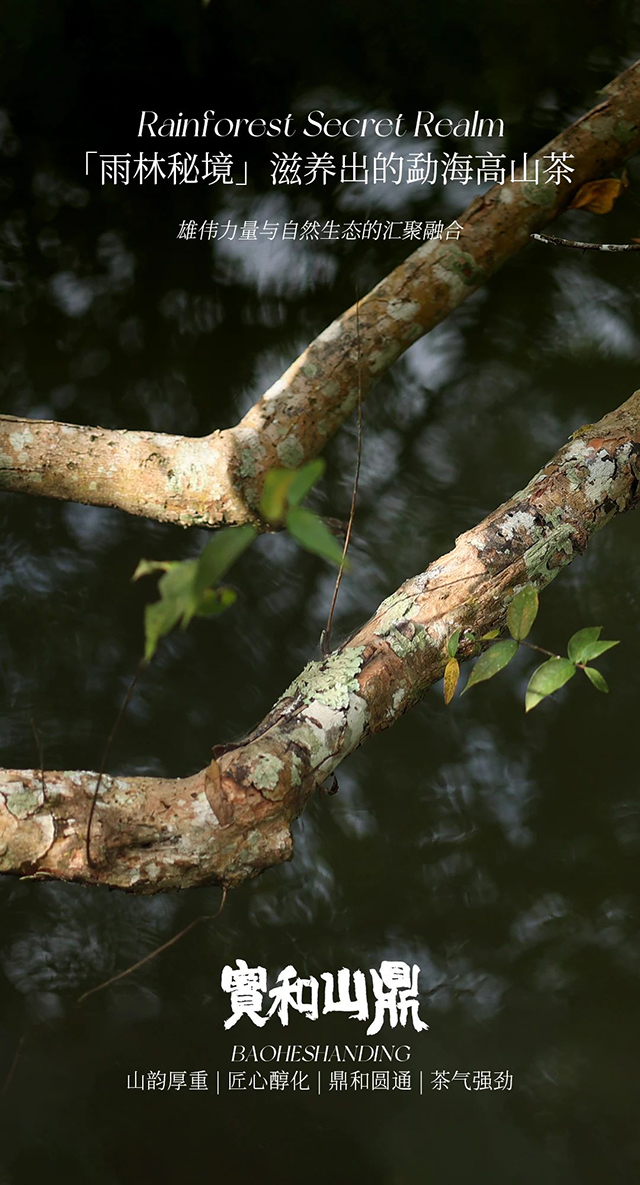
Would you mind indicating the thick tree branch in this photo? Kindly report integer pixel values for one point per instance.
(233, 819)
(178, 479)
(217, 479)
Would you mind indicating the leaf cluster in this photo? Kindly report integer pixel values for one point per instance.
(190, 588)
(282, 494)
(583, 647)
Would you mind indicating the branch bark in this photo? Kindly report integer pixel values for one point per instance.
(217, 479)
(233, 819)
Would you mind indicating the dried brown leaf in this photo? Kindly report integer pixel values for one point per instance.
(215, 795)
(599, 197)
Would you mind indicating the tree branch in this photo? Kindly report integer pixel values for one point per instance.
(233, 819)
(554, 241)
(217, 479)
(179, 479)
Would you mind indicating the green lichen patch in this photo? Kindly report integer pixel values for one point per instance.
(540, 195)
(537, 557)
(399, 605)
(312, 739)
(290, 452)
(599, 465)
(625, 132)
(382, 357)
(555, 516)
(330, 681)
(21, 440)
(251, 457)
(405, 640)
(22, 802)
(464, 265)
(296, 766)
(265, 772)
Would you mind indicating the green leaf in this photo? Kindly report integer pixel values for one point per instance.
(522, 612)
(174, 589)
(452, 644)
(492, 661)
(183, 589)
(595, 649)
(215, 601)
(159, 618)
(219, 554)
(284, 489)
(275, 493)
(178, 577)
(177, 582)
(304, 479)
(451, 676)
(490, 636)
(579, 642)
(598, 680)
(148, 567)
(176, 593)
(312, 533)
(546, 679)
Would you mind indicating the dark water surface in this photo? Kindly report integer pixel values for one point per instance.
(499, 852)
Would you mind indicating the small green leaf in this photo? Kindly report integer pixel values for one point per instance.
(451, 676)
(522, 612)
(546, 679)
(312, 533)
(492, 661)
(579, 642)
(452, 644)
(183, 588)
(177, 582)
(595, 649)
(275, 492)
(148, 567)
(159, 618)
(490, 636)
(304, 479)
(219, 554)
(176, 591)
(215, 601)
(598, 680)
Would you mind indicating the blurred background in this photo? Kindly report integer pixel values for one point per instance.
(499, 852)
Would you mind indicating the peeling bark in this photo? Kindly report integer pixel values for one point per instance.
(233, 819)
(217, 479)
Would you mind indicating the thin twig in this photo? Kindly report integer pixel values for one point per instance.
(556, 242)
(40, 755)
(326, 636)
(141, 665)
(205, 917)
(12, 1069)
(541, 649)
